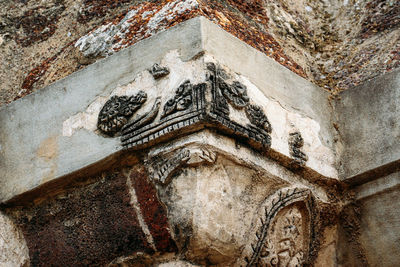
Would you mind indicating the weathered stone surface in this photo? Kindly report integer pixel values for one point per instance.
(379, 227)
(216, 205)
(96, 223)
(335, 45)
(373, 229)
(13, 248)
(91, 225)
(65, 139)
(58, 109)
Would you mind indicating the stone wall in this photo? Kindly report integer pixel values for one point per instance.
(335, 44)
(187, 145)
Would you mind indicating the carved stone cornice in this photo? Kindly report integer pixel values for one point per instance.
(191, 108)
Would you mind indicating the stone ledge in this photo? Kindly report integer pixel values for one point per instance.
(368, 122)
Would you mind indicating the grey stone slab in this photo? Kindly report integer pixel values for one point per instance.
(368, 119)
(380, 228)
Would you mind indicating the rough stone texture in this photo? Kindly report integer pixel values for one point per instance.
(13, 248)
(336, 44)
(205, 201)
(368, 123)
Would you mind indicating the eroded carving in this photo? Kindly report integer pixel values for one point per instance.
(193, 107)
(216, 78)
(283, 234)
(236, 94)
(296, 142)
(164, 166)
(181, 101)
(158, 72)
(256, 116)
(117, 111)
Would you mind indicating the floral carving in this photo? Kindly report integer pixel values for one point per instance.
(257, 117)
(181, 101)
(117, 111)
(236, 94)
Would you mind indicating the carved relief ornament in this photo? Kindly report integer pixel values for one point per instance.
(193, 107)
(283, 231)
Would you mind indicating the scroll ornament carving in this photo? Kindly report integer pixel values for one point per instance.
(117, 111)
(236, 95)
(181, 101)
(296, 142)
(158, 72)
(283, 233)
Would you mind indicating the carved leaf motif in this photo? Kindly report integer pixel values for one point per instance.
(117, 110)
(236, 94)
(257, 117)
(181, 101)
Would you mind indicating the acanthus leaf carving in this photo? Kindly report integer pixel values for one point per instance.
(117, 111)
(236, 94)
(145, 119)
(216, 78)
(193, 107)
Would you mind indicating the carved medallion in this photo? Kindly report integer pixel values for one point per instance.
(117, 111)
(283, 233)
